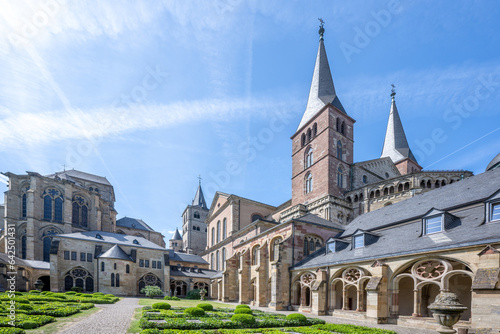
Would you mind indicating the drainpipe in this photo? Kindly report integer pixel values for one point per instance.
(327, 308)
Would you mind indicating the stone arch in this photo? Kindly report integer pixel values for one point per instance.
(79, 277)
(148, 279)
(274, 248)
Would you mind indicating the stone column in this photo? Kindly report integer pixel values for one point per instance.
(344, 299)
(395, 303)
(244, 277)
(303, 296)
(262, 278)
(360, 297)
(416, 303)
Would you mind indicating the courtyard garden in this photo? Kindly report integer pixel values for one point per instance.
(30, 310)
(195, 317)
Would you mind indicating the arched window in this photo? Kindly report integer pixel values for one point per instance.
(117, 280)
(47, 243)
(223, 258)
(315, 130)
(24, 205)
(342, 128)
(306, 247)
(112, 279)
(23, 247)
(339, 149)
(217, 260)
(255, 256)
(79, 277)
(52, 205)
(309, 157)
(212, 261)
(338, 125)
(114, 266)
(102, 266)
(309, 183)
(80, 211)
(224, 229)
(276, 249)
(386, 191)
(127, 269)
(256, 217)
(213, 236)
(309, 135)
(365, 179)
(400, 187)
(303, 139)
(218, 231)
(340, 179)
(196, 215)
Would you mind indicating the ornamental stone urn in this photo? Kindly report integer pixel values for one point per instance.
(39, 285)
(202, 294)
(446, 310)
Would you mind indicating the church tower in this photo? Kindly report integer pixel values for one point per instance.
(322, 146)
(395, 144)
(194, 228)
(176, 242)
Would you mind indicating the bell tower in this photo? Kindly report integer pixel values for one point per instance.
(322, 146)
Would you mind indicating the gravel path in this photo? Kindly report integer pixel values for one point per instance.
(111, 319)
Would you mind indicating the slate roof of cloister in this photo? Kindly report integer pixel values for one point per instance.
(113, 238)
(398, 227)
(138, 224)
(185, 257)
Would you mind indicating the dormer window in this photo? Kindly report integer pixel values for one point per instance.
(359, 241)
(495, 211)
(330, 247)
(433, 224)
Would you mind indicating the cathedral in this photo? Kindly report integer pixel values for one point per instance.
(374, 240)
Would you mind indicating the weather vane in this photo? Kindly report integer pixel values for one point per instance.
(199, 180)
(321, 29)
(393, 91)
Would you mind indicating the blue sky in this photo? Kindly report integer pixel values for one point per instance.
(152, 94)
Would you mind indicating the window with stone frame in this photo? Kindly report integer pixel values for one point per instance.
(80, 211)
(309, 157)
(255, 255)
(153, 264)
(146, 263)
(141, 263)
(339, 150)
(73, 256)
(224, 228)
(340, 178)
(308, 183)
(66, 255)
(495, 211)
(83, 257)
(89, 257)
(359, 241)
(52, 205)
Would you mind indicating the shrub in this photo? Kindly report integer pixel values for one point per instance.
(76, 289)
(97, 294)
(109, 295)
(242, 306)
(26, 307)
(243, 311)
(11, 330)
(195, 311)
(161, 306)
(34, 291)
(246, 319)
(71, 292)
(147, 307)
(21, 300)
(171, 298)
(205, 306)
(194, 294)
(296, 317)
(78, 294)
(28, 324)
(152, 290)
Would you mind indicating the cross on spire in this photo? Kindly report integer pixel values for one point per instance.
(321, 29)
(393, 91)
(199, 180)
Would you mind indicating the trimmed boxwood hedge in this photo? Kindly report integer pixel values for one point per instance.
(161, 306)
(206, 306)
(11, 330)
(171, 298)
(297, 317)
(195, 311)
(243, 311)
(246, 319)
(242, 306)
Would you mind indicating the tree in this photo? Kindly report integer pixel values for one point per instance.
(151, 291)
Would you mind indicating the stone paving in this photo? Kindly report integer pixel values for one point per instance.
(111, 319)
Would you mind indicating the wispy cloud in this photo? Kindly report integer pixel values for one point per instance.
(31, 129)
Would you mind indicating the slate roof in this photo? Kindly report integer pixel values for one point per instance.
(199, 199)
(494, 163)
(138, 224)
(395, 144)
(113, 238)
(115, 252)
(184, 257)
(69, 174)
(177, 235)
(402, 233)
(25, 263)
(322, 90)
(205, 273)
(312, 218)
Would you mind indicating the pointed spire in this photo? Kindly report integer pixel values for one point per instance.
(199, 199)
(177, 235)
(395, 144)
(322, 90)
